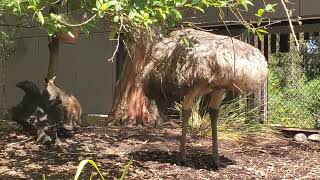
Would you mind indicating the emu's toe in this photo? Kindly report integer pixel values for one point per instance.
(215, 164)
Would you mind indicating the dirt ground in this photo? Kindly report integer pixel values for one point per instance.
(154, 154)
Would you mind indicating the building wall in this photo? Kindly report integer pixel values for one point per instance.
(83, 69)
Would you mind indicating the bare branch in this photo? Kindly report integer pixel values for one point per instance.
(76, 25)
(290, 23)
(118, 42)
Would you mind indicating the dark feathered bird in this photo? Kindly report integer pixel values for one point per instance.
(25, 110)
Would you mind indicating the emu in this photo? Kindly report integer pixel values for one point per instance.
(211, 65)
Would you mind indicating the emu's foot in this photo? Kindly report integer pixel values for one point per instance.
(182, 158)
(215, 164)
(184, 162)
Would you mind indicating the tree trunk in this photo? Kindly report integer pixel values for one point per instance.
(54, 56)
(130, 102)
(53, 50)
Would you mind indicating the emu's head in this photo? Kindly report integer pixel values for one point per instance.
(28, 87)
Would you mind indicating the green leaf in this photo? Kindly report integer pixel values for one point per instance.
(55, 16)
(116, 19)
(32, 7)
(198, 8)
(270, 7)
(19, 7)
(111, 3)
(260, 12)
(125, 170)
(132, 14)
(40, 17)
(103, 7)
(32, 2)
(85, 30)
(81, 166)
(177, 15)
(259, 35)
(186, 41)
(249, 2)
(245, 4)
(163, 15)
(179, 3)
(99, 4)
(51, 30)
(262, 30)
(113, 35)
(223, 3)
(71, 34)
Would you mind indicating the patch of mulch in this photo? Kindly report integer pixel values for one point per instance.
(154, 154)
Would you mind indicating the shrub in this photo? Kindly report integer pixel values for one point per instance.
(310, 96)
(293, 100)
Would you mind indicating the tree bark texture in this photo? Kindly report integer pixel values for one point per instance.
(54, 56)
(53, 50)
(130, 102)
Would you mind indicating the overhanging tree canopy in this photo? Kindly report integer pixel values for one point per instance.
(124, 15)
(135, 19)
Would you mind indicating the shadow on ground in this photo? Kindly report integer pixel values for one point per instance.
(193, 160)
(155, 155)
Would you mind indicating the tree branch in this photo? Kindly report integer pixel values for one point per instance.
(76, 25)
(290, 23)
(118, 42)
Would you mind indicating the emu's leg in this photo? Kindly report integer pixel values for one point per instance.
(186, 112)
(214, 104)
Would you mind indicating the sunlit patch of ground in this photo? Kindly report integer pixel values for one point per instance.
(154, 154)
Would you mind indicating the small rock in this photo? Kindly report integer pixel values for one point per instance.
(300, 137)
(314, 137)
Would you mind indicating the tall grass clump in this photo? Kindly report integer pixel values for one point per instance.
(234, 117)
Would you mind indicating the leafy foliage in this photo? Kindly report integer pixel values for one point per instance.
(310, 96)
(124, 15)
(7, 38)
(293, 95)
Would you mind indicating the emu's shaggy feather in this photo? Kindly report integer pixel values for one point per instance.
(210, 66)
(212, 61)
